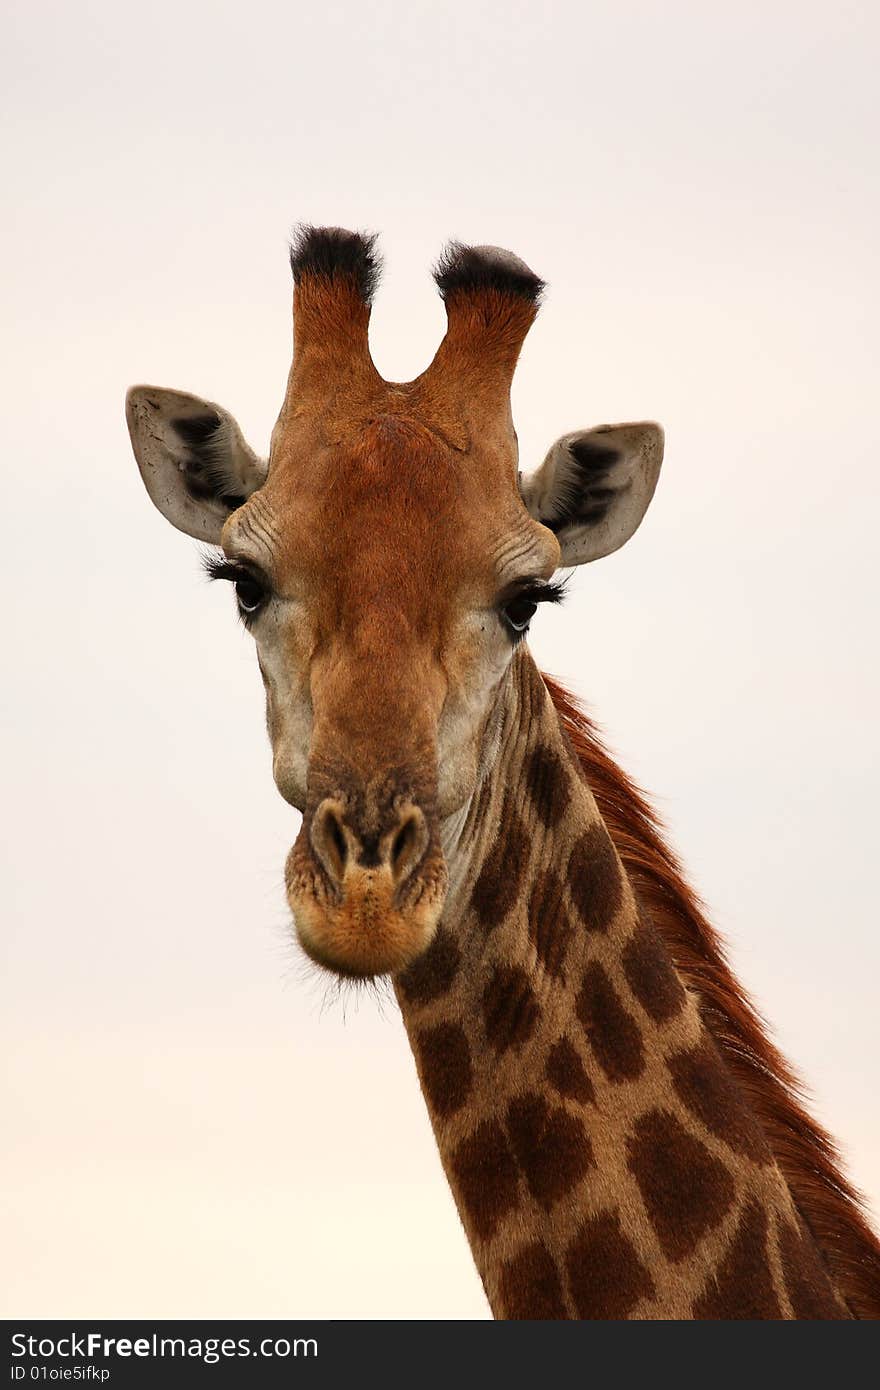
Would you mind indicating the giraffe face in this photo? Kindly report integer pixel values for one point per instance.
(386, 562)
(379, 662)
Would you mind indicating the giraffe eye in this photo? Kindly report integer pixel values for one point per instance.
(519, 609)
(251, 594)
(251, 590)
(519, 613)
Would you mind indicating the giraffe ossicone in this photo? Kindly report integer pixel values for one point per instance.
(620, 1137)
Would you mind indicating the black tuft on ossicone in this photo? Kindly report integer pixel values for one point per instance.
(471, 268)
(332, 252)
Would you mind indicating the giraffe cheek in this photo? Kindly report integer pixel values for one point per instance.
(290, 772)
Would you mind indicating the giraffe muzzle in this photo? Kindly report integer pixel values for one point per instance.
(343, 850)
(365, 890)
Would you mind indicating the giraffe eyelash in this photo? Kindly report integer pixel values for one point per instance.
(218, 567)
(553, 591)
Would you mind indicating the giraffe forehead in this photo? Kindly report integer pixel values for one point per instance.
(392, 505)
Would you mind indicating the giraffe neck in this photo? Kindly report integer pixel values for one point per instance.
(603, 1160)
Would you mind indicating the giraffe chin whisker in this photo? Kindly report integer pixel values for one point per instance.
(365, 932)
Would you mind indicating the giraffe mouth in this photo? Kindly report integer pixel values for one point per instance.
(367, 924)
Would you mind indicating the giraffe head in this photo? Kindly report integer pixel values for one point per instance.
(387, 558)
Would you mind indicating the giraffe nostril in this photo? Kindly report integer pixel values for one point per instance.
(402, 842)
(409, 845)
(338, 839)
(329, 842)
(341, 847)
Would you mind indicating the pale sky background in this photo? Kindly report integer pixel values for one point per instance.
(189, 1131)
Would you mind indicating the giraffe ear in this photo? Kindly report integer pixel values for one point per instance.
(594, 486)
(193, 458)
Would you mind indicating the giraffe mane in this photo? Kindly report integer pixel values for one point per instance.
(807, 1156)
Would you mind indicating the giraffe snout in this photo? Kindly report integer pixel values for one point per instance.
(344, 848)
(366, 881)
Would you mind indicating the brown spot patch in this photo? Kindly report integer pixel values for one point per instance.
(445, 1067)
(530, 1286)
(497, 886)
(612, 1032)
(594, 879)
(711, 1093)
(551, 1147)
(809, 1287)
(685, 1190)
(566, 1074)
(510, 1009)
(487, 1177)
(743, 1284)
(650, 974)
(605, 1275)
(433, 973)
(549, 924)
(547, 785)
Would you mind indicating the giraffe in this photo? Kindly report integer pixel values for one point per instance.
(620, 1137)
